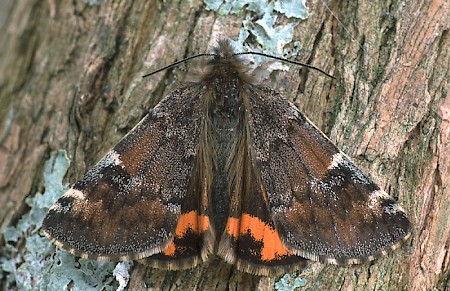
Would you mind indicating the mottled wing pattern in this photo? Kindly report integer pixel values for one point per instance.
(323, 207)
(129, 205)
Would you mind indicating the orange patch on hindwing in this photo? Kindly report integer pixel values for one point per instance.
(260, 231)
(188, 222)
(191, 220)
(170, 250)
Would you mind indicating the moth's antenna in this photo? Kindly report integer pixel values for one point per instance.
(341, 24)
(287, 61)
(178, 62)
(244, 53)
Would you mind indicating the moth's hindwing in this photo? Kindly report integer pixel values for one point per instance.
(251, 240)
(322, 206)
(129, 204)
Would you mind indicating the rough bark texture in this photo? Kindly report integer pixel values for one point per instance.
(70, 78)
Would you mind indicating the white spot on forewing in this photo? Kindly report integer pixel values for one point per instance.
(341, 160)
(379, 194)
(57, 207)
(337, 159)
(77, 197)
(392, 208)
(113, 157)
(74, 193)
(376, 197)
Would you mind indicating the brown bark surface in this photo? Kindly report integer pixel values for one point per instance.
(71, 78)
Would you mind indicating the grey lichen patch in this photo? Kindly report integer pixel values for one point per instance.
(261, 22)
(39, 265)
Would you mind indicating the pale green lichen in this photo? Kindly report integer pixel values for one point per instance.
(287, 284)
(260, 21)
(292, 8)
(39, 265)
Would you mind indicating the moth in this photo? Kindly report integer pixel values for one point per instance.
(223, 166)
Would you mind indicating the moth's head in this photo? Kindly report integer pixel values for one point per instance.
(225, 63)
(224, 50)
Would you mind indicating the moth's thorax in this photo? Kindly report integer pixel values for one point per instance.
(226, 95)
(225, 81)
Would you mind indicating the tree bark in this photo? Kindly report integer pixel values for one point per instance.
(71, 78)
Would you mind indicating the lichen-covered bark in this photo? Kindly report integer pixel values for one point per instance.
(70, 78)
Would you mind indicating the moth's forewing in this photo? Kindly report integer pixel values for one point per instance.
(127, 206)
(324, 208)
